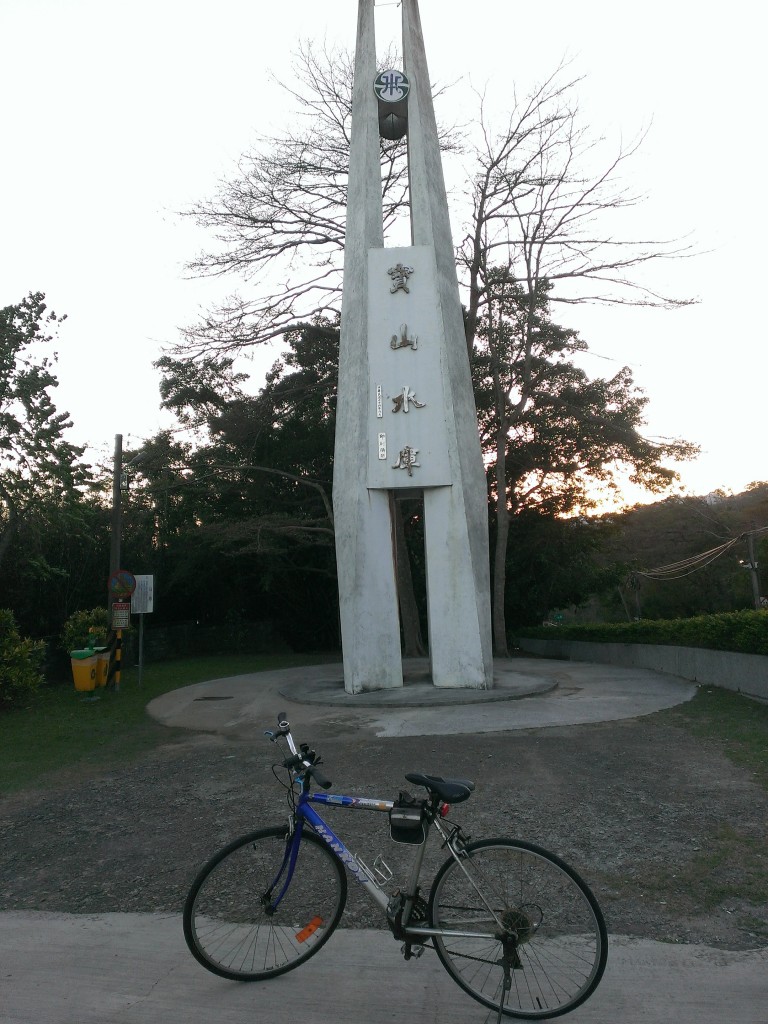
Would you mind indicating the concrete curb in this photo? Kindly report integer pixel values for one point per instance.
(743, 673)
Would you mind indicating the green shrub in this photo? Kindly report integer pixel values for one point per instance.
(744, 632)
(85, 629)
(20, 663)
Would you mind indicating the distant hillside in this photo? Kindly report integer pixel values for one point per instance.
(647, 537)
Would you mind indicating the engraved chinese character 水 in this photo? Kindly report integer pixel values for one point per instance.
(405, 399)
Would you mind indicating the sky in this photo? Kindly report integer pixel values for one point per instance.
(116, 116)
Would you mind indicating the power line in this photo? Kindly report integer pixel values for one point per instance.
(688, 566)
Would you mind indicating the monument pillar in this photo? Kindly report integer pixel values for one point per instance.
(406, 418)
(370, 626)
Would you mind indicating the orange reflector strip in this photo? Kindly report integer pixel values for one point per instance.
(311, 928)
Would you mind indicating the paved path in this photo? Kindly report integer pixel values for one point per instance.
(135, 969)
(131, 968)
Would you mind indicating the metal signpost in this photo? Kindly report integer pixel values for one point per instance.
(121, 585)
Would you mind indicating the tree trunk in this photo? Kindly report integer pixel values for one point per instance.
(7, 535)
(413, 642)
(500, 648)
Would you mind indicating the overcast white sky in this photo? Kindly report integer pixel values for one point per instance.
(115, 115)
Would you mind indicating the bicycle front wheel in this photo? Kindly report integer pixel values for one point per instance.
(228, 924)
(556, 937)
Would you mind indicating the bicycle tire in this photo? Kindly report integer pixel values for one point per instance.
(225, 923)
(562, 938)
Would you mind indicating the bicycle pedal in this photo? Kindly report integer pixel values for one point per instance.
(411, 952)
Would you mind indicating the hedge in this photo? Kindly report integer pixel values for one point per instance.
(20, 664)
(745, 632)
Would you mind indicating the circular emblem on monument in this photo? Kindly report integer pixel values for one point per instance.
(391, 86)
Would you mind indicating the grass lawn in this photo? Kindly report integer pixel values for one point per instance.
(736, 723)
(61, 733)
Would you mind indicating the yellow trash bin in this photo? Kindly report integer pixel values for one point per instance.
(84, 669)
(102, 665)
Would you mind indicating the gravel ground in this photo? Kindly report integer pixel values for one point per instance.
(668, 832)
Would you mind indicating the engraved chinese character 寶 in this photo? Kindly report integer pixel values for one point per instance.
(399, 275)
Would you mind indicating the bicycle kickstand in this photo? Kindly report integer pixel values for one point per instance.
(509, 958)
(411, 951)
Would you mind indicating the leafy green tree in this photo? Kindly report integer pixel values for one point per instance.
(57, 562)
(552, 435)
(37, 463)
(257, 491)
(555, 562)
(241, 523)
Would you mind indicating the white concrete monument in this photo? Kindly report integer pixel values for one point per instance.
(406, 417)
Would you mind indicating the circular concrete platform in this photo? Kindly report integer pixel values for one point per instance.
(417, 691)
(530, 693)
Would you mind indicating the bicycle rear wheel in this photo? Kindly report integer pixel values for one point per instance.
(509, 886)
(227, 925)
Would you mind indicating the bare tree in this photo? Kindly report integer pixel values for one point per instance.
(539, 233)
(280, 220)
(541, 209)
(541, 229)
(536, 205)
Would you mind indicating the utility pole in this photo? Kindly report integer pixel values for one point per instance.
(117, 506)
(753, 569)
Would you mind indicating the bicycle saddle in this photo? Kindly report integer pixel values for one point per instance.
(453, 791)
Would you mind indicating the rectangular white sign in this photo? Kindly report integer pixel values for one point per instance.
(143, 596)
(121, 615)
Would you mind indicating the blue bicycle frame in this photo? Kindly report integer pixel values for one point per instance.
(306, 814)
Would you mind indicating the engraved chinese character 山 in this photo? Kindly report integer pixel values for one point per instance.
(400, 275)
(404, 341)
(405, 399)
(407, 460)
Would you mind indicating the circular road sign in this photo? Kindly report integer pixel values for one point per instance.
(121, 584)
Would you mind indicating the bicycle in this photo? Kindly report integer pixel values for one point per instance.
(513, 925)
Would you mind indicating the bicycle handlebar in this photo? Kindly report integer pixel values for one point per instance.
(319, 778)
(304, 759)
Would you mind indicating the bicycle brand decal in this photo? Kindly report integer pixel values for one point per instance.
(351, 801)
(346, 858)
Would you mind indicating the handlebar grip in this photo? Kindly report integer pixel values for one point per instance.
(282, 720)
(319, 778)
